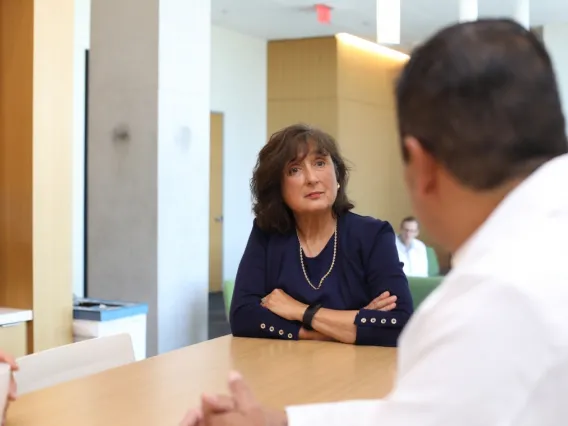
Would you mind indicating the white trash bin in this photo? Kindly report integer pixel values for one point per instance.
(97, 318)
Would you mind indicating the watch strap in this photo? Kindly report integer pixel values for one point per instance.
(309, 314)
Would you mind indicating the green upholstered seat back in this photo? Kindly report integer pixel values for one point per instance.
(421, 287)
(228, 287)
(433, 264)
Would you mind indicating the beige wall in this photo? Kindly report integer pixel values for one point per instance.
(368, 130)
(36, 113)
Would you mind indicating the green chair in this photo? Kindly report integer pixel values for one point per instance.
(228, 288)
(421, 287)
(433, 264)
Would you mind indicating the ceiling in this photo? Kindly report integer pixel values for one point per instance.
(284, 19)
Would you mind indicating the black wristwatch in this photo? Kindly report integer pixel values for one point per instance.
(309, 314)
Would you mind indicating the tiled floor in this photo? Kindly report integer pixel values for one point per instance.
(218, 325)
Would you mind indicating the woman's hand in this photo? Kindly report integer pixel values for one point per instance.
(385, 302)
(284, 306)
(314, 335)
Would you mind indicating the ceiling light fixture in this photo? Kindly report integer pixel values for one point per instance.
(468, 10)
(388, 21)
(522, 13)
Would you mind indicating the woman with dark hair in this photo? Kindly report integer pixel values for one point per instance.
(312, 269)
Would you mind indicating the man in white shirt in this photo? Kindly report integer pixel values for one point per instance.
(411, 251)
(485, 152)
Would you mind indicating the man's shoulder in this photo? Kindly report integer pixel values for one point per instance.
(529, 299)
(399, 244)
(419, 245)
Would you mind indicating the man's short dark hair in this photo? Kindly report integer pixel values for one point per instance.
(481, 97)
(271, 212)
(408, 219)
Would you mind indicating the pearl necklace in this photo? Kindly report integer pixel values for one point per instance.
(332, 261)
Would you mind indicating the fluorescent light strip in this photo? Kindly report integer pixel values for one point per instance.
(522, 13)
(468, 10)
(369, 46)
(388, 21)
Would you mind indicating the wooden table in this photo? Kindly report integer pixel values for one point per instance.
(159, 390)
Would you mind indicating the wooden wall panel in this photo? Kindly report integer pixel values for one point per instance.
(52, 172)
(302, 77)
(368, 131)
(365, 76)
(36, 125)
(16, 152)
(302, 69)
(317, 112)
(368, 141)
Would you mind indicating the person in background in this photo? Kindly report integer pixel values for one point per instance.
(485, 151)
(312, 269)
(8, 359)
(411, 251)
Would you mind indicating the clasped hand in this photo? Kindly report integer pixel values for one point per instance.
(285, 306)
(239, 409)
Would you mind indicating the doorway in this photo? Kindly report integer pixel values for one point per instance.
(216, 203)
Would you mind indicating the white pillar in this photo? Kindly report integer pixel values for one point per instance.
(522, 13)
(468, 10)
(388, 21)
(148, 162)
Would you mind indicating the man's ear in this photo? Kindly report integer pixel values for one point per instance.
(421, 167)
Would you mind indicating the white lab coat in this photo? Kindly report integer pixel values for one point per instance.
(490, 346)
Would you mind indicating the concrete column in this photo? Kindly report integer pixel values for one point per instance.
(148, 162)
(554, 37)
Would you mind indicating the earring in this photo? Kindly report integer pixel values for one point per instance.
(338, 186)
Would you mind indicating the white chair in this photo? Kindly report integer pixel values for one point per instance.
(61, 364)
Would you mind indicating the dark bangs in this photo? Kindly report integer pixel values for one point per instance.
(296, 148)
